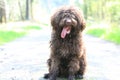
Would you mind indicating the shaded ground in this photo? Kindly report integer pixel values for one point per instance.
(25, 58)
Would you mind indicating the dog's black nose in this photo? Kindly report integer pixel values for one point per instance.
(68, 22)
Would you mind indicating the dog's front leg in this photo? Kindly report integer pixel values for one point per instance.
(54, 69)
(73, 68)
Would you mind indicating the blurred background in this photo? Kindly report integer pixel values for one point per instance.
(102, 16)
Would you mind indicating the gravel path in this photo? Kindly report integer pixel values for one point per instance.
(25, 58)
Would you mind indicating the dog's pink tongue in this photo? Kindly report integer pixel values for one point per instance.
(66, 30)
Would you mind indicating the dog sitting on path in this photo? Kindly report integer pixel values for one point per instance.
(68, 54)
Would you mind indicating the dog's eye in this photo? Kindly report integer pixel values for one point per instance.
(64, 15)
(73, 16)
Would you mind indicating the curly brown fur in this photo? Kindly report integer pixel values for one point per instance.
(68, 57)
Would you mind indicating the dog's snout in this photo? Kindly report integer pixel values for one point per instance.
(68, 22)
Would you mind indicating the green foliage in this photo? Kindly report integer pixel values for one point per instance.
(107, 11)
(111, 34)
(6, 36)
(32, 27)
(98, 32)
(114, 11)
(102, 10)
(16, 32)
(16, 10)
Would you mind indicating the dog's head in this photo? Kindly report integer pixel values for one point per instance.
(67, 21)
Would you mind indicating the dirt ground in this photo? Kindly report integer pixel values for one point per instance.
(25, 58)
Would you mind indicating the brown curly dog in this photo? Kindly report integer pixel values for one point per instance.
(68, 57)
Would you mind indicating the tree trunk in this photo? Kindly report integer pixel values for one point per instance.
(27, 10)
(20, 7)
(2, 11)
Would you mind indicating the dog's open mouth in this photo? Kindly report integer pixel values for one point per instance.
(66, 30)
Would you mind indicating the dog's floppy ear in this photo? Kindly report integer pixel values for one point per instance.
(81, 19)
(82, 24)
(55, 19)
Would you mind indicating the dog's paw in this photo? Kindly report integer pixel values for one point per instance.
(79, 76)
(71, 78)
(46, 76)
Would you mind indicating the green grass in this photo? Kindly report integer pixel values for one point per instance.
(16, 32)
(32, 27)
(110, 34)
(113, 35)
(7, 36)
(98, 32)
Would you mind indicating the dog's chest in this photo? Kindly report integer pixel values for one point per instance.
(67, 49)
